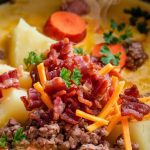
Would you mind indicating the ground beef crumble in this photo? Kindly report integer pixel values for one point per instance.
(135, 56)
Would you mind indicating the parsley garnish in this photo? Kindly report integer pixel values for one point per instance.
(119, 27)
(139, 18)
(79, 51)
(65, 74)
(76, 76)
(110, 38)
(108, 57)
(19, 135)
(33, 59)
(3, 141)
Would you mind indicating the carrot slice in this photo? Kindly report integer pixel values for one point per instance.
(45, 98)
(87, 116)
(63, 24)
(126, 133)
(41, 72)
(116, 48)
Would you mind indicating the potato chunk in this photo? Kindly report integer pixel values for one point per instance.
(25, 80)
(11, 106)
(25, 39)
(139, 132)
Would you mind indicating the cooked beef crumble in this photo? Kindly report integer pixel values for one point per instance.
(79, 7)
(57, 135)
(135, 56)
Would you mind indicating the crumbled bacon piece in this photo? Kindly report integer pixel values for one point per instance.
(59, 107)
(94, 90)
(131, 106)
(33, 101)
(9, 79)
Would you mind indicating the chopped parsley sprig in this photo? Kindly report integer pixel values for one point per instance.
(139, 18)
(33, 59)
(79, 51)
(111, 38)
(3, 141)
(69, 77)
(17, 137)
(108, 57)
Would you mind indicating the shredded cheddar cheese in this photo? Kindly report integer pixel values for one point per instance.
(87, 116)
(126, 133)
(41, 72)
(108, 106)
(114, 120)
(106, 69)
(45, 98)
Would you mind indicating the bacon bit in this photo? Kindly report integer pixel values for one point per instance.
(60, 93)
(105, 111)
(126, 133)
(33, 101)
(68, 119)
(87, 116)
(59, 107)
(84, 101)
(45, 98)
(106, 69)
(41, 72)
(131, 106)
(9, 79)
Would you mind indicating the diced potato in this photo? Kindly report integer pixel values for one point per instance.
(25, 39)
(25, 80)
(11, 106)
(139, 131)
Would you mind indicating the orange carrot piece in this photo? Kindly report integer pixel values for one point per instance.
(45, 98)
(42, 75)
(87, 116)
(126, 133)
(63, 24)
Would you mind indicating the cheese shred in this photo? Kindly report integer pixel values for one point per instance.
(45, 98)
(126, 133)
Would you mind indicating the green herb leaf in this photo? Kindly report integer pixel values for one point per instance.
(19, 135)
(76, 76)
(3, 141)
(79, 51)
(108, 57)
(119, 27)
(110, 38)
(113, 24)
(65, 75)
(126, 35)
(33, 59)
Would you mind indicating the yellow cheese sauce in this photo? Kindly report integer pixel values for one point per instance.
(36, 12)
